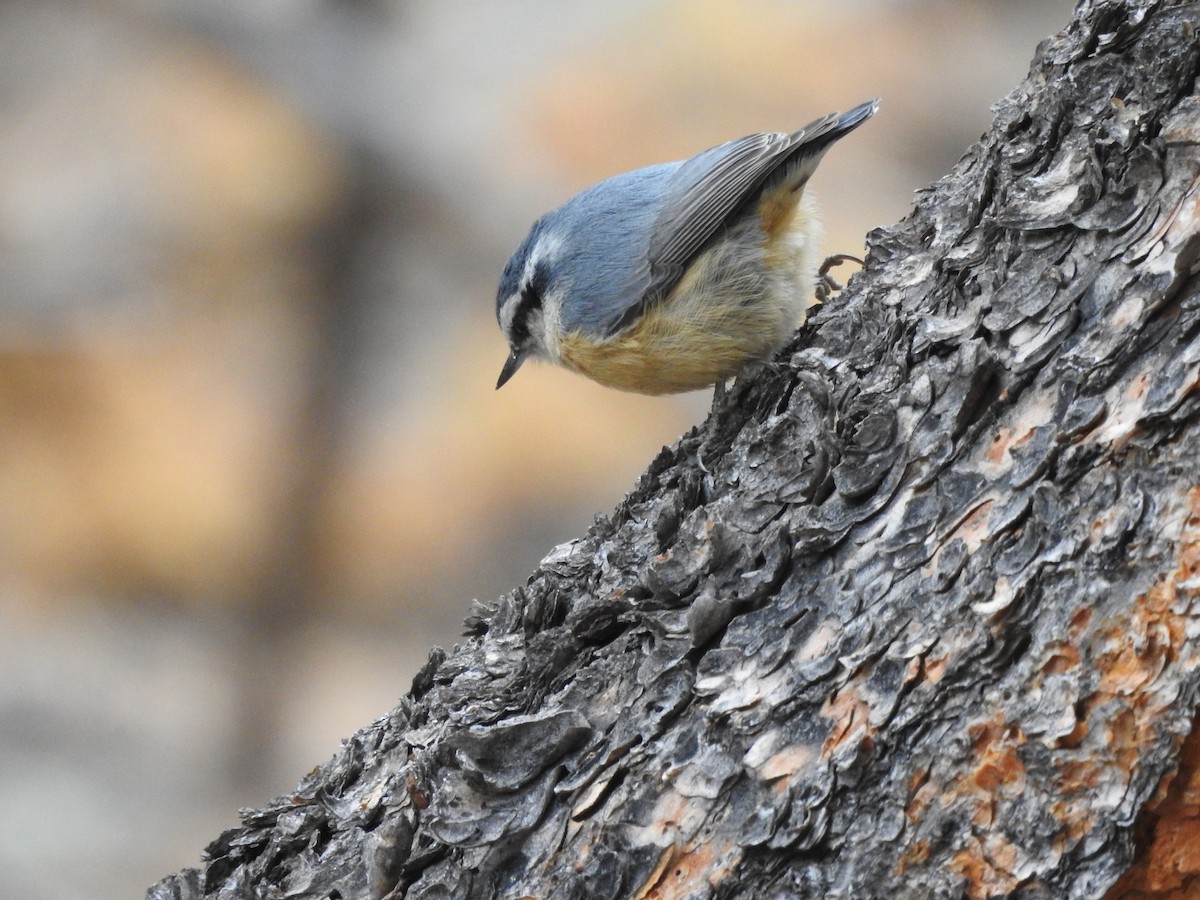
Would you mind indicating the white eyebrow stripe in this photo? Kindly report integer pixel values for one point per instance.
(546, 250)
(508, 309)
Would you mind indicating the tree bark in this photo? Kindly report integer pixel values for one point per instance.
(915, 613)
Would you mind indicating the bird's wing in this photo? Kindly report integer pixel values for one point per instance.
(710, 189)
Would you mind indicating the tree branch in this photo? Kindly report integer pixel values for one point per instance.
(915, 613)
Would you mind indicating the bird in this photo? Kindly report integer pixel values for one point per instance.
(673, 277)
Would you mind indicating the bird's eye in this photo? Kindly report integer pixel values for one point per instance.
(530, 300)
(518, 332)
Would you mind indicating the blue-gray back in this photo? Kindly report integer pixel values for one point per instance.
(604, 235)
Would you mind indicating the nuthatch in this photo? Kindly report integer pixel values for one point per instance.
(674, 276)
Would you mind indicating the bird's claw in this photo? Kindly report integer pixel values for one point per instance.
(826, 285)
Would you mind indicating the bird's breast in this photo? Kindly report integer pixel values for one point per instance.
(705, 331)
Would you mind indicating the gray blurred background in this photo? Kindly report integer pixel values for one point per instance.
(252, 465)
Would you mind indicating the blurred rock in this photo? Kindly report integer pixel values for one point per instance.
(155, 207)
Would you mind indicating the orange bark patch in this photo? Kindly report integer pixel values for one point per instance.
(1080, 623)
(917, 855)
(788, 761)
(1060, 658)
(1137, 387)
(935, 668)
(1074, 738)
(1140, 654)
(986, 867)
(973, 526)
(686, 871)
(1168, 861)
(999, 446)
(987, 862)
(999, 772)
(849, 712)
(924, 794)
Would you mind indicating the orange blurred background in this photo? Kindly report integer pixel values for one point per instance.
(252, 465)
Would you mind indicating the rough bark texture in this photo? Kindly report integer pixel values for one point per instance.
(915, 614)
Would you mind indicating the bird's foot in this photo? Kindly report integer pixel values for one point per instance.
(826, 285)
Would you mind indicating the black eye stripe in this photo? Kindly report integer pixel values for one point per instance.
(519, 330)
(531, 299)
(531, 294)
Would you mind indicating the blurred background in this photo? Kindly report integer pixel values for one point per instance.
(252, 465)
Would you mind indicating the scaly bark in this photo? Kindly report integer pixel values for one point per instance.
(914, 614)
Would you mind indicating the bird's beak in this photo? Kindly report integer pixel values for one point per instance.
(510, 367)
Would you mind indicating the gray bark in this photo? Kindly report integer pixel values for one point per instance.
(915, 613)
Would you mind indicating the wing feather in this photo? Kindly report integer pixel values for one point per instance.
(708, 190)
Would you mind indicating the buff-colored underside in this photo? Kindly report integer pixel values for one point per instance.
(672, 350)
